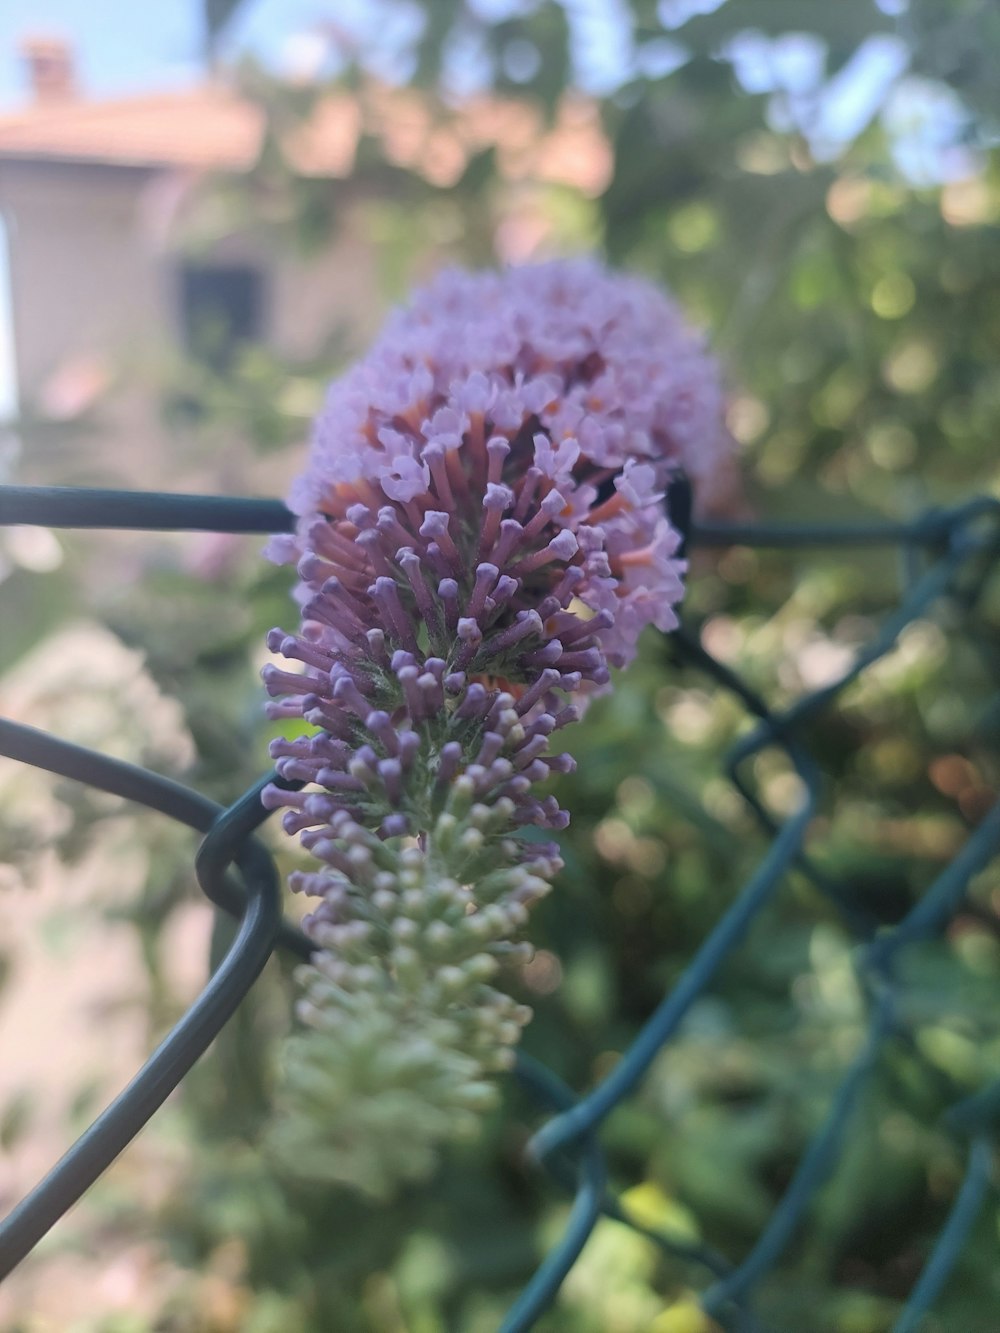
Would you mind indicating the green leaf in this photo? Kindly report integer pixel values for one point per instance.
(217, 14)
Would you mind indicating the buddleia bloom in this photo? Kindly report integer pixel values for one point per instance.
(481, 536)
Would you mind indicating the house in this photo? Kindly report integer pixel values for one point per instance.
(106, 276)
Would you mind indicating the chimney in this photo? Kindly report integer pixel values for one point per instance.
(50, 68)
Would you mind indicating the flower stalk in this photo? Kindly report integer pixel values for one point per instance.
(481, 538)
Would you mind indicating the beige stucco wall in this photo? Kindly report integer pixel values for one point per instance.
(93, 277)
(83, 280)
(87, 298)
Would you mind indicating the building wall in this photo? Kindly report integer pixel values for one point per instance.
(83, 280)
(87, 297)
(95, 306)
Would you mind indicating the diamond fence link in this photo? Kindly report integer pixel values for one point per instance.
(946, 553)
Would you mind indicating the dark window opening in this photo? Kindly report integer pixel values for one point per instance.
(221, 310)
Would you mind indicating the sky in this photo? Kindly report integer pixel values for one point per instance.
(119, 45)
(125, 46)
(122, 46)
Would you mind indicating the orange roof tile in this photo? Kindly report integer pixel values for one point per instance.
(213, 128)
(203, 127)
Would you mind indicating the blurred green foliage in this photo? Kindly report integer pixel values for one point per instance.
(857, 309)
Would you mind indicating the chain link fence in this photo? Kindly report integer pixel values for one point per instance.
(947, 554)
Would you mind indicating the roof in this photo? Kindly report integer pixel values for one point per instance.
(201, 127)
(213, 127)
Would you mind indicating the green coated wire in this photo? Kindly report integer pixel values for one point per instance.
(115, 1127)
(82, 507)
(567, 1143)
(951, 1238)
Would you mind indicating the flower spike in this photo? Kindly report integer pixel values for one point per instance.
(481, 538)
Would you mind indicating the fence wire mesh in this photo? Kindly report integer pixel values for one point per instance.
(946, 554)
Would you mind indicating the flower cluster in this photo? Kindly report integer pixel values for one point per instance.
(481, 536)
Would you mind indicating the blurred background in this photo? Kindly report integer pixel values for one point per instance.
(206, 209)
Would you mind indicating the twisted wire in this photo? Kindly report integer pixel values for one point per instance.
(948, 552)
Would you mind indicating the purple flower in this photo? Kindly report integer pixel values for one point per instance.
(551, 381)
(481, 536)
